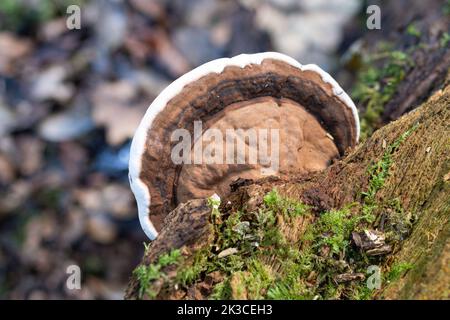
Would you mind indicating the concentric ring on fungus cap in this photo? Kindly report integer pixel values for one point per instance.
(317, 121)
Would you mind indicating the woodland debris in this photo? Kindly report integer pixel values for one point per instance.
(65, 126)
(227, 252)
(12, 50)
(385, 249)
(373, 242)
(348, 277)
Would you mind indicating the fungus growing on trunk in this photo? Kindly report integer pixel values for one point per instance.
(241, 117)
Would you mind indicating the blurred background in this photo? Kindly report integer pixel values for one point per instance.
(70, 101)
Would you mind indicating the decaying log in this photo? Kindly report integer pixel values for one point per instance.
(419, 177)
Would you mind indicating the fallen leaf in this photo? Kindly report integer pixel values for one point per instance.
(65, 126)
(49, 85)
(113, 109)
(12, 49)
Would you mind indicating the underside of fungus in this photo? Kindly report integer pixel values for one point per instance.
(299, 111)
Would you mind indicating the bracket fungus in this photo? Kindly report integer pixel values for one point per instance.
(286, 117)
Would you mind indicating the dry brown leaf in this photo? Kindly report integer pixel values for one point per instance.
(12, 49)
(113, 109)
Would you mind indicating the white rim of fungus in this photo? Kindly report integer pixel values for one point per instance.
(138, 187)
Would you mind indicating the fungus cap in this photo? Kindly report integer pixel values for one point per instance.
(317, 121)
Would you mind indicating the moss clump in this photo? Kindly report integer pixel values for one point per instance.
(283, 252)
(146, 274)
(397, 270)
(445, 40)
(335, 227)
(222, 291)
(288, 207)
(412, 30)
(188, 274)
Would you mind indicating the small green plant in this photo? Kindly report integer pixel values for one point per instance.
(361, 292)
(412, 30)
(288, 207)
(187, 275)
(146, 248)
(169, 258)
(445, 40)
(214, 204)
(258, 280)
(335, 228)
(146, 274)
(221, 291)
(294, 291)
(397, 270)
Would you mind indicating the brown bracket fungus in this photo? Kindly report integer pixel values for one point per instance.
(301, 109)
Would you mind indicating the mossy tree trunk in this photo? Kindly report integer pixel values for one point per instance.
(405, 187)
(396, 182)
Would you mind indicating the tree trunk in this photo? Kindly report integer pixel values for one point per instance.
(417, 177)
(400, 176)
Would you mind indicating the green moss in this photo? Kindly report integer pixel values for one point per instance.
(221, 291)
(294, 290)
(286, 206)
(269, 266)
(251, 283)
(146, 274)
(169, 258)
(412, 30)
(361, 292)
(290, 282)
(258, 280)
(279, 269)
(229, 264)
(445, 40)
(398, 270)
(257, 236)
(376, 83)
(233, 231)
(333, 229)
(189, 273)
(378, 173)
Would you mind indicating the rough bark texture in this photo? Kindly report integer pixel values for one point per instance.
(419, 177)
